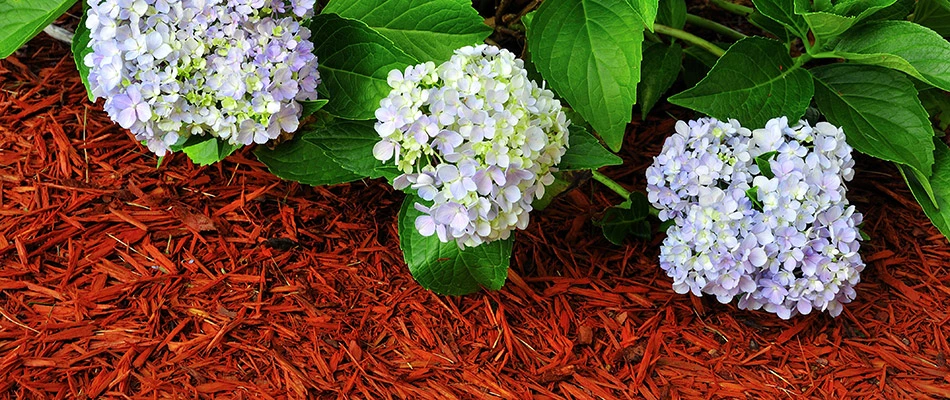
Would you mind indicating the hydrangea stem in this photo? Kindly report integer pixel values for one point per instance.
(689, 38)
(714, 26)
(734, 8)
(610, 184)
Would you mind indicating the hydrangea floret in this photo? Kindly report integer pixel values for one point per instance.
(759, 214)
(475, 138)
(232, 69)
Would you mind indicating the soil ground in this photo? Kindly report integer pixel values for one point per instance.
(121, 278)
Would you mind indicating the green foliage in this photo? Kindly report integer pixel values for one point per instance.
(311, 107)
(827, 19)
(302, 161)
(754, 81)
(590, 52)
(629, 218)
(428, 30)
(21, 20)
(647, 10)
(783, 12)
(672, 13)
(660, 67)
(762, 161)
(937, 206)
(879, 112)
(80, 47)
(446, 269)
(901, 45)
(937, 104)
(206, 150)
(354, 63)
(934, 14)
(350, 145)
(585, 152)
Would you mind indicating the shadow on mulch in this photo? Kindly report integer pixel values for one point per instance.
(119, 279)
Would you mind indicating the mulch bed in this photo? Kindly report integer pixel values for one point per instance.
(119, 278)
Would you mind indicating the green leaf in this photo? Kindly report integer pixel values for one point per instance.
(429, 30)
(829, 22)
(446, 269)
(753, 82)
(590, 52)
(660, 67)
(80, 47)
(647, 10)
(938, 209)
(934, 14)
(350, 145)
(21, 20)
(626, 219)
(771, 26)
(901, 45)
(672, 13)
(206, 150)
(311, 107)
(563, 181)
(765, 167)
(879, 112)
(783, 12)
(753, 194)
(897, 11)
(301, 161)
(937, 104)
(585, 152)
(354, 63)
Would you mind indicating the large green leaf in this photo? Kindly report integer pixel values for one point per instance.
(629, 218)
(350, 144)
(590, 52)
(444, 268)
(586, 152)
(897, 11)
(937, 104)
(901, 45)
(302, 161)
(429, 30)
(80, 47)
(937, 209)
(672, 13)
(753, 82)
(354, 63)
(934, 14)
(879, 112)
(647, 10)
(783, 12)
(660, 67)
(20, 20)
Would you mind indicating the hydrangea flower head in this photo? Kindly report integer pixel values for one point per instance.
(759, 214)
(476, 138)
(232, 69)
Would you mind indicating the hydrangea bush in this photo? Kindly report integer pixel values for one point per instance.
(474, 143)
(759, 214)
(232, 69)
(476, 138)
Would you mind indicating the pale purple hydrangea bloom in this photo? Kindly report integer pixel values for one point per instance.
(797, 253)
(475, 138)
(233, 69)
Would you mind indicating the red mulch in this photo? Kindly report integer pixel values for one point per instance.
(120, 279)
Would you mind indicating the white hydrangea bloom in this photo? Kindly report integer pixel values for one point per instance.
(233, 69)
(795, 250)
(476, 138)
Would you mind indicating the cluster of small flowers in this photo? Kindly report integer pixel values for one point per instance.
(793, 249)
(233, 69)
(475, 137)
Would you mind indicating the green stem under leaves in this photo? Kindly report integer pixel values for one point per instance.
(610, 184)
(733, 7)
(714, 26)
(689, 38)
